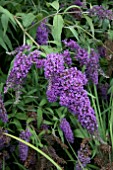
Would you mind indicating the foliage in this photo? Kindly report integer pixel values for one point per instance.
(59, 88)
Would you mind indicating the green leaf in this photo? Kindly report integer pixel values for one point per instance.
(39, 117)
(4, 21)
(89, 20)
(27, 19)
(1, 87)
(78, 134)
(6, 12)
(61, 134)
(72, 6)
(17, 123)
(29, 120)
(21, 116)
(74, 32)
(55, 5)
(8, 42)
(43, 102)
(58, 24)
(3, 44)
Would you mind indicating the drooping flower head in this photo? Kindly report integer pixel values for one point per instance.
(22, 65)
(65, 127)
(53, 65)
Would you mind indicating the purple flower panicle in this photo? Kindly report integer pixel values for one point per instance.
(65, 127)
(42, 33)
(68, 86)
(22, 65)
(53, 65)
(101, 12)
(92, 67)
(67, 57)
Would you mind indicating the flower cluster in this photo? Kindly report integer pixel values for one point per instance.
(67, 84)
(67, 57)
(65, 127)
(23, 48)
(101, 12)
(91, 61)
(92, 67)
(53, 65)
(82, 56)
(22, 65)
(23, 149)
(83, 155)
(42, 33)
(3, 113)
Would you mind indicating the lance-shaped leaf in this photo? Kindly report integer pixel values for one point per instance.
(58, 24)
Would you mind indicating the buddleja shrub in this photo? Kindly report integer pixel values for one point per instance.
(56, 97)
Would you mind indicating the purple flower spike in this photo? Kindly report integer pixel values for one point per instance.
(23, 149)
(67, 57)
(92, 67)
(65, 127)
(42, 33)
(101, 12)
(53, 65)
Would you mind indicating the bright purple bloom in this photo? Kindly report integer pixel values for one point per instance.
(23, 48)
(71, 44)
(40, 63)
(42, 33)
(65, 127)
(67, 57)
(3, 113)
(23, 149)
(53, 65)
(53, 90)
(82, 56)
(91, 61)
(92, 67)
(88, 120)
(22, 65)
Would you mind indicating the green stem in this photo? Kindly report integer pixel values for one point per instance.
(69, 155)
(25, 32)
(36, 149)
(95, 108)
(99, 112)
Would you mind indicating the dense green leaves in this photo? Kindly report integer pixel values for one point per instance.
(19, 20)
